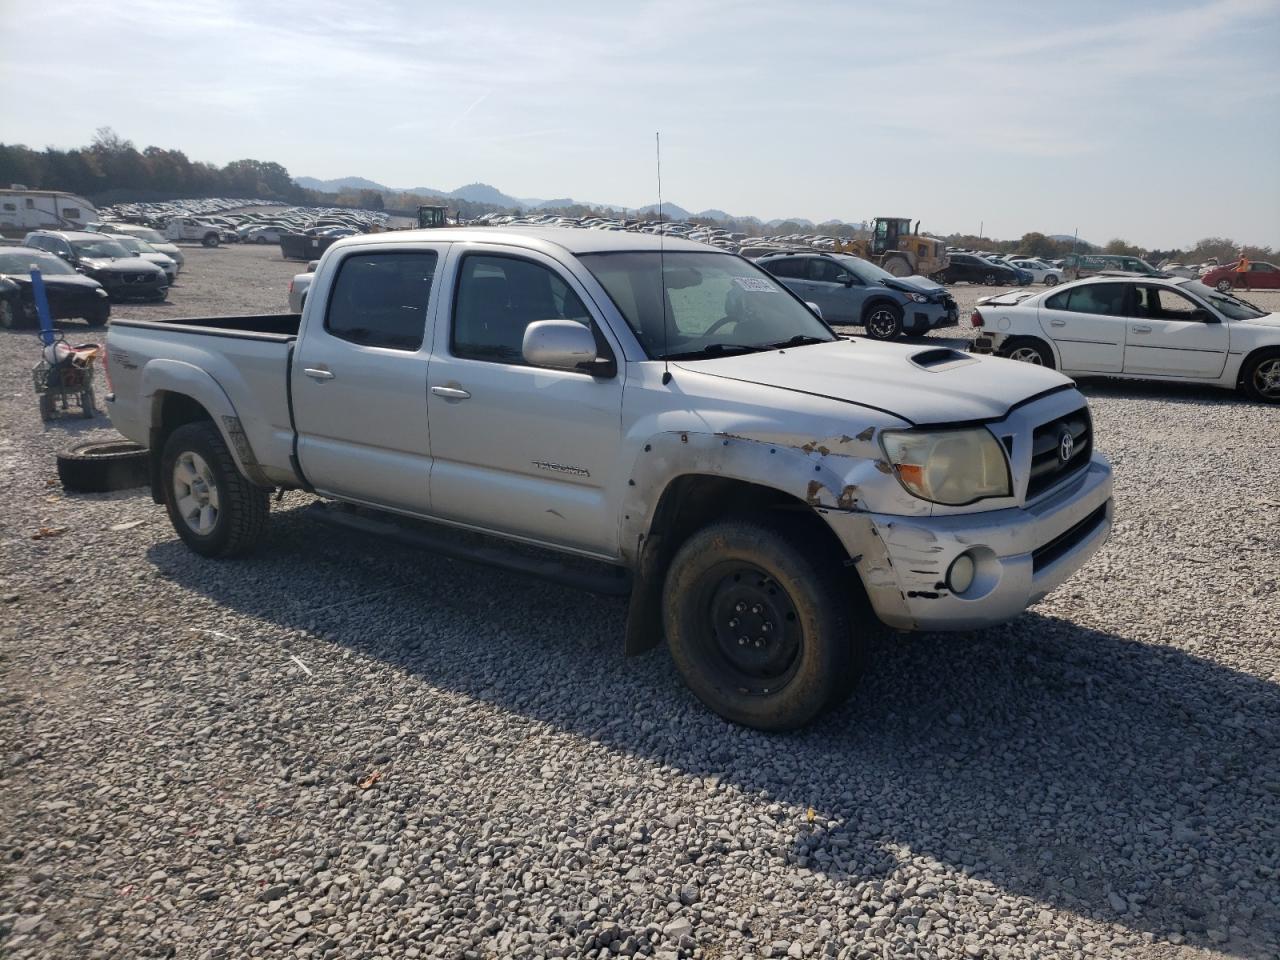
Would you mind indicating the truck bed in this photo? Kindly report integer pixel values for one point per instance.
(266, 326)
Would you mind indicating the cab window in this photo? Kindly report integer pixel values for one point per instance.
(498, 297)
(380, 299)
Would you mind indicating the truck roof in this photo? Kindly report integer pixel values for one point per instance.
(569, 239)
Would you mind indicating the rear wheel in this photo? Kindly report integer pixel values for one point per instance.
(1029, 350)
(758, 625)
(214, 509)
(1261, 377)
(1223, 285)
(898, 266)
(100, 317)
(989, 279)
(883, 321)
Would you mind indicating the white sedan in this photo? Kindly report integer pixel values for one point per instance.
(1138, 328)
(1040, 271)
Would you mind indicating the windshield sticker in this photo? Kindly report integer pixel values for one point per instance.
(755, 284)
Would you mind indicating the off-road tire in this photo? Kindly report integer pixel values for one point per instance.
(103, 466)
(894, 264)
(243, 507)
(1023, 349)
(1251, 379)
(883, 321)
(820, 675)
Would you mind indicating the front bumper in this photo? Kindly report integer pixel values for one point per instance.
(130, 286)
(923, 317)
(1020, 554)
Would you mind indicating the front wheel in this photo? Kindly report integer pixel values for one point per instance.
(1261, 377)
(214, 509)
(210, 240)
(1223, 285)
(898, 266)
(883, 321)
(989, 279)
(1027, 350)
(758, 625)
(8, 315)
(100, 318)
(1051, 280)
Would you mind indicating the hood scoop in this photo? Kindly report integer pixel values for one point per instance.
(941, 358)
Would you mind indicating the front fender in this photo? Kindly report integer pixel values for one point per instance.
(175, 376)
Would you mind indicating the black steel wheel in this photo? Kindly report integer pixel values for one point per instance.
(757, 621)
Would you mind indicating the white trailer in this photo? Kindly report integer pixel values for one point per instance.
(22, 210)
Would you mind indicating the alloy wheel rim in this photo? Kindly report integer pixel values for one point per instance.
(195, 493)
(1267, 378)
(1026, 355)
(881, 323)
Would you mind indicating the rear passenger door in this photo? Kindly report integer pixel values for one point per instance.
(1087, 325)
(359, 379)
(522, 450)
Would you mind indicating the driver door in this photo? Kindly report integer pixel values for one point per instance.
(517, 449)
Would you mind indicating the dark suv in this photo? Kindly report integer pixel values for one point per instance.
(122, 275)
(849, 289)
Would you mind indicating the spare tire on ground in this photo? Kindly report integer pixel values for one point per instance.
(103, 466)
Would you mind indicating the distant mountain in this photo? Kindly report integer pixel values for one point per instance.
(1068, 238)
(713, 215)
(340, 184)
(483, 193)
(798, 221)
(670, 211)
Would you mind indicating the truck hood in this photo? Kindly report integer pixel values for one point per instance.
(918, 383)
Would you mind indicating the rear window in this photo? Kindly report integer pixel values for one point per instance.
(380, 299)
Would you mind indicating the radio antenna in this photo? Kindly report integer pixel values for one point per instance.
(662, 265)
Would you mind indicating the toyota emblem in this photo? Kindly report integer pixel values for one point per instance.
(1066, 446)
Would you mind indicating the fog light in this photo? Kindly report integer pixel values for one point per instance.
(960, 573)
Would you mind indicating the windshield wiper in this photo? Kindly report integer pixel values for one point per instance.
(714, 350)
(799, 340)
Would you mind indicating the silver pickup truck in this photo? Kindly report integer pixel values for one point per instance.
(766, 491)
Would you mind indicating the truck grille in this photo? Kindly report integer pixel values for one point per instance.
(1048, 465)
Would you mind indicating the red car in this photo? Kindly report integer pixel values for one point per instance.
(1262, 276)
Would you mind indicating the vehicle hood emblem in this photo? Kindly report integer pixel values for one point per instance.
(1066, 446)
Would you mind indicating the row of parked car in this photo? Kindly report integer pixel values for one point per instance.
(177, 221)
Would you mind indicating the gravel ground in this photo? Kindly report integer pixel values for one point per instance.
(344, 749)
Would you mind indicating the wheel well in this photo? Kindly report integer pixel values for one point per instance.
(173, 410)
(877, 301)
(1254, 355)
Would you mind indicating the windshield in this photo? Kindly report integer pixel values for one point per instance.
(714, 303)
(144, 233)
(130, 244)
(21, 264)
(1226, 304)
(866, 272)
(99, 248)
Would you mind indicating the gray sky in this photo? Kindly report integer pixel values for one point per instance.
(1158, 122)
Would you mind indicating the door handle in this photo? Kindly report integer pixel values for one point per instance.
(1057, 323)
(1141, 329)
(318, 373)
(451, 393)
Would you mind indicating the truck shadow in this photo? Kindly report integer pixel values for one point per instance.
(1076, 767)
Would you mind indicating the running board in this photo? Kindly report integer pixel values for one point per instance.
(616, 584)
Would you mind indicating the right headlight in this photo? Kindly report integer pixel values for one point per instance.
(952, 467)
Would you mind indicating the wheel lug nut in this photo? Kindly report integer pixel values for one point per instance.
(742, 641)
(759, 641)
(757, 609)
(733, 622)
(766, 626)
(739, 606)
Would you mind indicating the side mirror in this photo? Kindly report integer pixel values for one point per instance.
(817, 310)
(311, 267)
(848, 280)
(559, 345)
